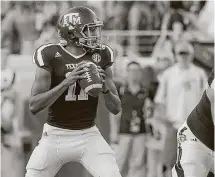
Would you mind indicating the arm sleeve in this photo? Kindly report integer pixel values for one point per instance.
(42, 58)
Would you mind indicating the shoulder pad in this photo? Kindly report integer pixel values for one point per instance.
(43, 54)
(109, 52)
(107, 57)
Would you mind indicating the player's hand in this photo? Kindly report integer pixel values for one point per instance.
(103, 76)
(101, 73)
(76, 74)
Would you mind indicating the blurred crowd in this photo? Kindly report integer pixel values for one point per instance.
(29, 24)
(173, 84)
(172, 90)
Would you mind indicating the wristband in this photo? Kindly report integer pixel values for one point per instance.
(105, 92)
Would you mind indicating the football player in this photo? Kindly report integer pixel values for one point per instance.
(196, 138)
(70, 133)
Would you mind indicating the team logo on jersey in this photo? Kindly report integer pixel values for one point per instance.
(71, 66)
(57, 55)
(71, 18)
(96, 57)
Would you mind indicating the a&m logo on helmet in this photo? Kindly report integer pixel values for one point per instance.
(72, 18)
(96, 21)
(96, 57)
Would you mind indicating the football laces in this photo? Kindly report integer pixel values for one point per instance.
(89, 78)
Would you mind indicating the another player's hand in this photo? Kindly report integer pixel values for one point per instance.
(76, 74)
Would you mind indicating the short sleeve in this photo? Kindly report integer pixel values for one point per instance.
(42, 58)
(108, 57)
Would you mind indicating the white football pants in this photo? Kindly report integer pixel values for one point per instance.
(59, 146)
(194, 159)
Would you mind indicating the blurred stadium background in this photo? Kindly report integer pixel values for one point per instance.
(143, 31)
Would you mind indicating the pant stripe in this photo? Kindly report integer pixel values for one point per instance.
(178, 168)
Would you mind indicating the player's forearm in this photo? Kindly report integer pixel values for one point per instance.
(112, 102)
(43, 100)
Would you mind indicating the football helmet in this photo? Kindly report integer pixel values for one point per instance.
(81, 26)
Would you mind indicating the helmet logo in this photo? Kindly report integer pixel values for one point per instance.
(96, 21)
(96, 57)
(72, 18)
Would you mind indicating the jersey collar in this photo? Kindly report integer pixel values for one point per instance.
(74, 56)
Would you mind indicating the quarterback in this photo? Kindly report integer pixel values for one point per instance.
(70, 133)
(196, 138)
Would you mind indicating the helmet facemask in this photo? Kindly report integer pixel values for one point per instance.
(91, 35)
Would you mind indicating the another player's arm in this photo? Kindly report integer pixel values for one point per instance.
(210, 95)
(41, 95)
(111, 97)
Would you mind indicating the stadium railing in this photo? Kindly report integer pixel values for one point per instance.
(143, 40)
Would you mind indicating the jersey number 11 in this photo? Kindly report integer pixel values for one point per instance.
(71, 96)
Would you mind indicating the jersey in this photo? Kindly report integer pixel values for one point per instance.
(74, 109)
(200, 120)
(132, 119)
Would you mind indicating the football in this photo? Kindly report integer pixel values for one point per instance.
(92, 85)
